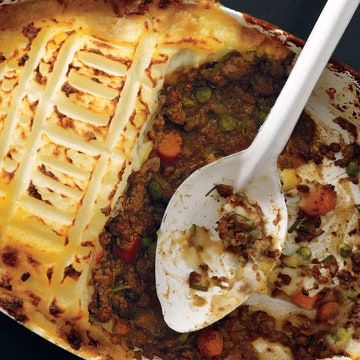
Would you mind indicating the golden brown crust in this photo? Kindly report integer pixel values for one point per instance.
(123, 7)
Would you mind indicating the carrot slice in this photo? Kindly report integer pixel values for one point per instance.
(327, 311)
(170, 147)
(122, 328)
(129, 249)
(319, 202)
(210, 343)
(304, 301)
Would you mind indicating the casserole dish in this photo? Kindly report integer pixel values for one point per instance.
(342, 96)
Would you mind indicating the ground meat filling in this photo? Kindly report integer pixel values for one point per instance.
(204, 114)
(241, 228)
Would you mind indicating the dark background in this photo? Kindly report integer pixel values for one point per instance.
(295, 16)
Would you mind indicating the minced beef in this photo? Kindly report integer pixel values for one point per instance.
(301, 146)
(345, 278)
(309, 228)
(355, 259)
(241, 234)
(354, 319)
(216, 110)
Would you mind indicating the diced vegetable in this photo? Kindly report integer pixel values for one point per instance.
(210, 343)
(199, 287)
(290, 179)
(353, 169)
(146, 241)
(128, 249)
(305, 252)
(226, 123)
(203, 94)
(293, 260)
(327, 311)
(344, 250)
(351, 294)
(266, 266)
(170, 147)
(189, 103)
(304, 301)
(342, 337)
(319, 201)
(155, 190)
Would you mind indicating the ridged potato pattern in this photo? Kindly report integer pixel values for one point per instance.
(65, 147)
(72, 111)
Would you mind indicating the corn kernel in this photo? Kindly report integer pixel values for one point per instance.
(289, 179)
(293, 260)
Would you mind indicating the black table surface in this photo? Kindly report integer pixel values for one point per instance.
(295, 16)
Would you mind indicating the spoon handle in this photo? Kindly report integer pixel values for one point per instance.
(283, 117)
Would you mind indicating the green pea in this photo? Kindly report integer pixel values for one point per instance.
(260, 117)
(182, 338)
(146, 241)
(344, 250)
(353, 169)
(351, 294)
(226, 123)
(189, 103)
(203, 94)
(247, 125)
(155, 190)
(305, 252)
(152, 250)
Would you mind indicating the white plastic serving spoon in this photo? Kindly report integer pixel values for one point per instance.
(253, 171)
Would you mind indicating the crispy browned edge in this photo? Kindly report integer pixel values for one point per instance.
(122, 7)
(138, 7)
(290, 38)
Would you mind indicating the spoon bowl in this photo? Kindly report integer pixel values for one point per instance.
(202, 208)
